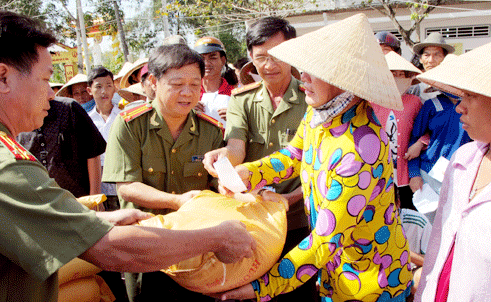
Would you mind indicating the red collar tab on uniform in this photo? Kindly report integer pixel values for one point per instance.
(17, 149)
(133, 113)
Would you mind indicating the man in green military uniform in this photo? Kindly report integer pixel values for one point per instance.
(42, 226)
(262, 118)
(155, 151)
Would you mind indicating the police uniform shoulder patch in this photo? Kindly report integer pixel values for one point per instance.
(133, 113)
(210, 120)
(245, 88)
(15, 148)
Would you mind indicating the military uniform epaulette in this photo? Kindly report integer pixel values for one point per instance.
(245, 88)
(133, 113)
(210, 120)
(15, 148)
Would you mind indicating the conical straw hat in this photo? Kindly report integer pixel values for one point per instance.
(79, 78)
(470, 71)
(126, 67)
(396, 62)
(137, 65)
(344, 54)
(127, 93)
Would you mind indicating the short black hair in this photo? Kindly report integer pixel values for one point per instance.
(98, 72)
(263, 29)
(20, 36)
(171, 56)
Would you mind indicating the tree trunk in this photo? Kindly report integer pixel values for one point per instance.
(122, 35)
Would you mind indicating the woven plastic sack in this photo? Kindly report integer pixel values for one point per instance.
(265, 220)
(93, 202)
(78, 282)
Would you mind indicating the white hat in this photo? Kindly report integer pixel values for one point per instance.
(470, 71)
(128, 93)
(347, 55)
(396, 62)
(79, 78)
(137, 65)
(54, 85)
(126, 67)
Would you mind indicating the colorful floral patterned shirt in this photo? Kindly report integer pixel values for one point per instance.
(357, 243)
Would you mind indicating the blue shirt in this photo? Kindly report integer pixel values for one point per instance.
(89, 105)
(438, 118)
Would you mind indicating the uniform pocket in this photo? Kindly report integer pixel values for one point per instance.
(196, 174)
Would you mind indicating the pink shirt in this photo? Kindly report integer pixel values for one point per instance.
(404, 120)
(466, 223)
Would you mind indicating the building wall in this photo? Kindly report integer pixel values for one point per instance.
(451, 20)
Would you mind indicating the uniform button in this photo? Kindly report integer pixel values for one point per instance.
(42, 144)
(150, 170)
(173, 192)
(271, 144)
(200, 174)
(273, 121)
(173, 150)
(172, 172)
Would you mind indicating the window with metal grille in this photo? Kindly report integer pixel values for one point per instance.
(394, 32)
(472, 31)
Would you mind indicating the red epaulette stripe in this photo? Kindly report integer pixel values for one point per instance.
(246, 88)
(135, 112)
(17, 150)
(211, 120)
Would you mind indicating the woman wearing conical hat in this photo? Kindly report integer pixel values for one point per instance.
(458, 263)
(341, 153)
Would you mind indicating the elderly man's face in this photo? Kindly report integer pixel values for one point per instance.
(431, 57)
(271, 70)
(30, 94)
(178, 90)
(318, 92)
(476, 116)
(79, 93)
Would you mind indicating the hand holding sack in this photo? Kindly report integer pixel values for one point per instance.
(265, 219)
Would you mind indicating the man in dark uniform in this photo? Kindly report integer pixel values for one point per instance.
(262, 118)
(155, 152)
(42, 226)
(68, 145)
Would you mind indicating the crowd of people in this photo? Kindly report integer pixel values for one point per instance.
(348, 142)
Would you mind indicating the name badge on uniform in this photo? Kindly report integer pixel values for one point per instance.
(197, 158)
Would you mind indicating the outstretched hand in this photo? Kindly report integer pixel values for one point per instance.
(241, 293)
(124, 217)
(236, 244)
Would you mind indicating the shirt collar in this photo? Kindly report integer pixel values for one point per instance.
(464, 160)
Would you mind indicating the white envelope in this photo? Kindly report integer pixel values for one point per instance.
(425, 200)
(228, 177)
